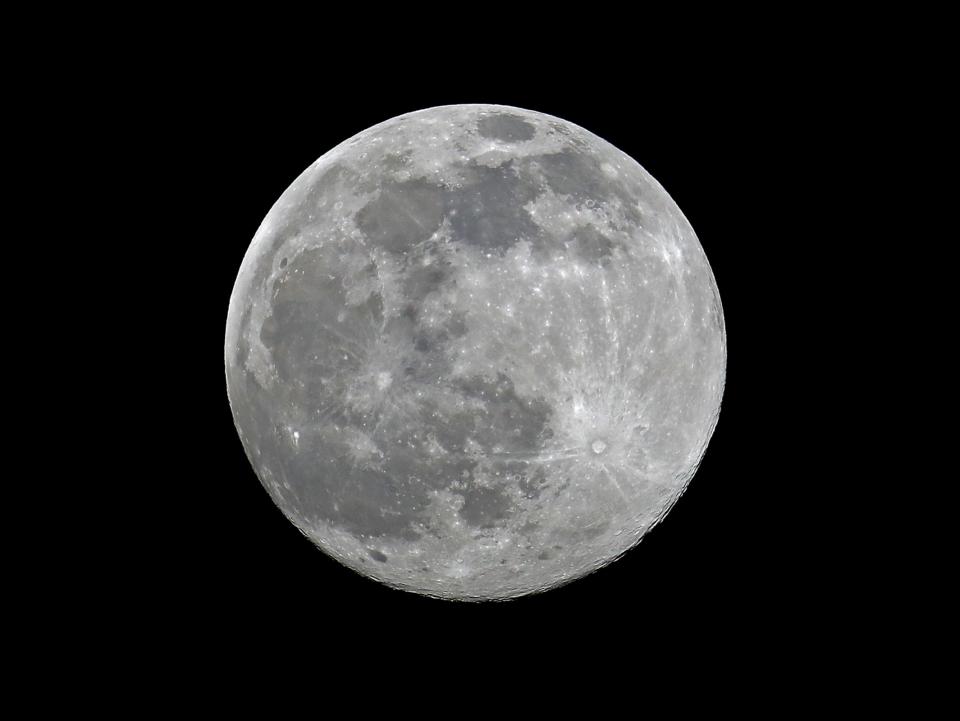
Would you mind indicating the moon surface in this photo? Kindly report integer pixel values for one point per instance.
(475, 352)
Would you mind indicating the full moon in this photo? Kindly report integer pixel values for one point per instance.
(475, 352)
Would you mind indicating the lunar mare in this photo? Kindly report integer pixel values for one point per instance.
(475, 352)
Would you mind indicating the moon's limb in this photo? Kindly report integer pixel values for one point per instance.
(475, 352)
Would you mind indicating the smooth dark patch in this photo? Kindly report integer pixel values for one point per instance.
(409, 312)
(421, 280)
(423, 343)
(509, 128)
(484, 507)
(517, 424)
(578, 174)
(592, 246)
(366, 502)
(457, 326)
(402, 215)
(488, 210)
(377, 556)
(407, 454)
(310, 327)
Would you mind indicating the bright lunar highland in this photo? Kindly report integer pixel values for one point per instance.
(475, 352)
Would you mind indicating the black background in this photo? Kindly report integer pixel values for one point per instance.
(731, 142)
(157, 141)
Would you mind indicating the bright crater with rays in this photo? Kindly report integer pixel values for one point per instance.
(475, 352)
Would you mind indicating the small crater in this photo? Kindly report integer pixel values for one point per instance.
(377, 556)
(457, 326)
(409, 312)
(422, 343)
(508, 128)
(283, 262)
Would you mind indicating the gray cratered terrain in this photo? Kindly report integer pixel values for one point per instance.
(475, 352)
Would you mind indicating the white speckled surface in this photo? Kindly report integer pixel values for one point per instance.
(475, 352)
